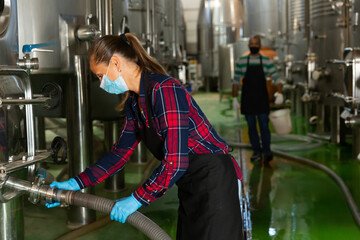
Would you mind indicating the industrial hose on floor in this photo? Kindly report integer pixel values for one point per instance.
(349, 199)
(103, 221)
(136, 219)
(37, 191)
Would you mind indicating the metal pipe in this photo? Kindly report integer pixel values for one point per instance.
(174, 31)
(154, 26)
(12, 226)
(87, 33)
(99, 15)
(40, 142)
(148, 27)
(117, 181)
(139, 156)
(347, 9)
(108, 17)
(79, 133)
(353, 121)
(21, 101)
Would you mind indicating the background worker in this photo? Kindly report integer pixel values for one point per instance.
(161, 113)
(251, 72)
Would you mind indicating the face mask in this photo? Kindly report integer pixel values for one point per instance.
(117, 86)
(254, 50)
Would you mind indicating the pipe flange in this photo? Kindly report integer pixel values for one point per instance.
(35, 195)
(3, 174)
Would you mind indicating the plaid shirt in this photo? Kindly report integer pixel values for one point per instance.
(179, 122)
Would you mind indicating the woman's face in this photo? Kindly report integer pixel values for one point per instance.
(100, 69)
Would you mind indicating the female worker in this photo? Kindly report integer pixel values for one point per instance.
(160, 112)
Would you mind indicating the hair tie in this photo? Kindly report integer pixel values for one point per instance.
(124, 38)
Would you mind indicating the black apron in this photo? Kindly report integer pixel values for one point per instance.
(254, 95)
(208, 191)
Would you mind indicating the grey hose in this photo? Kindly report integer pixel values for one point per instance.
(309, 143)
(349, 199)
(85, 229)
(103, 221)
(136, 219)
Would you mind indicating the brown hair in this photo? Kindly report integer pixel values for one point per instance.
(257, 37)
(128, 46)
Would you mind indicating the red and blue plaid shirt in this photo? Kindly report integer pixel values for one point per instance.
(178, 121)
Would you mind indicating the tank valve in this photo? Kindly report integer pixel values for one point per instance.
(87, 33)
(353, 121)
(32, 63)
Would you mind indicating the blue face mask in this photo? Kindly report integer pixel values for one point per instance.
(117, 86)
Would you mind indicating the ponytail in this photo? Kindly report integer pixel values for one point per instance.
(144, 60)
(128, 46)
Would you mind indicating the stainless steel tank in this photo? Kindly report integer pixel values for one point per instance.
(12, 143)
(352, 72)
(61, 27)
(174, 40)
(330, 35)
(262, 18)
(39, 26)
(228, 54)
(12, 127)
(144, 18)
(219, 23)
(8, 32)
(158, 24)
(298, 39)
(356, 24)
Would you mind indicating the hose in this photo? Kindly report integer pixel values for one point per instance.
(349, 199)
(85, 229)
(309, 143)
(136, 219)
(103, 221)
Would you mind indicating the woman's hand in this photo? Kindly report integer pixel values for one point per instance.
(123, 208)
(70, 184)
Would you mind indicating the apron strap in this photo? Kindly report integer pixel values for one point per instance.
(148, 100)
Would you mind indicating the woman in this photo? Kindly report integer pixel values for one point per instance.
(160, 112)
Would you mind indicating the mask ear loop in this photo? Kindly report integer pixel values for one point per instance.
(108, 68)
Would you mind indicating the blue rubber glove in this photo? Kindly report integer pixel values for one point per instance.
(123, 208)
(70, 184)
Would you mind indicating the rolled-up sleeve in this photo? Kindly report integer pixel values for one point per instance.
(172, 112)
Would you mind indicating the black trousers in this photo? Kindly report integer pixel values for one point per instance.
(209, 201)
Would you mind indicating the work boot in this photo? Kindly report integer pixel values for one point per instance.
(268, 157)
(256, 157)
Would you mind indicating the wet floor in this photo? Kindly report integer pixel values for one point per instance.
(287, 200)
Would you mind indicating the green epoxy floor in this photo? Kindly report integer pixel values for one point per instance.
(288, 200)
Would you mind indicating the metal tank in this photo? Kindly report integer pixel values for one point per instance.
(219, 23)
(17, 144)
(12, 144)
(8, 32)
(11, 120)
(158, 24)
(144, 18)
(173, 35)
(56, 43)
(298, 39)
(351, 96)
(330, 34)
(228, 54)
(356, 24)
(296, 66)
(262, 18)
